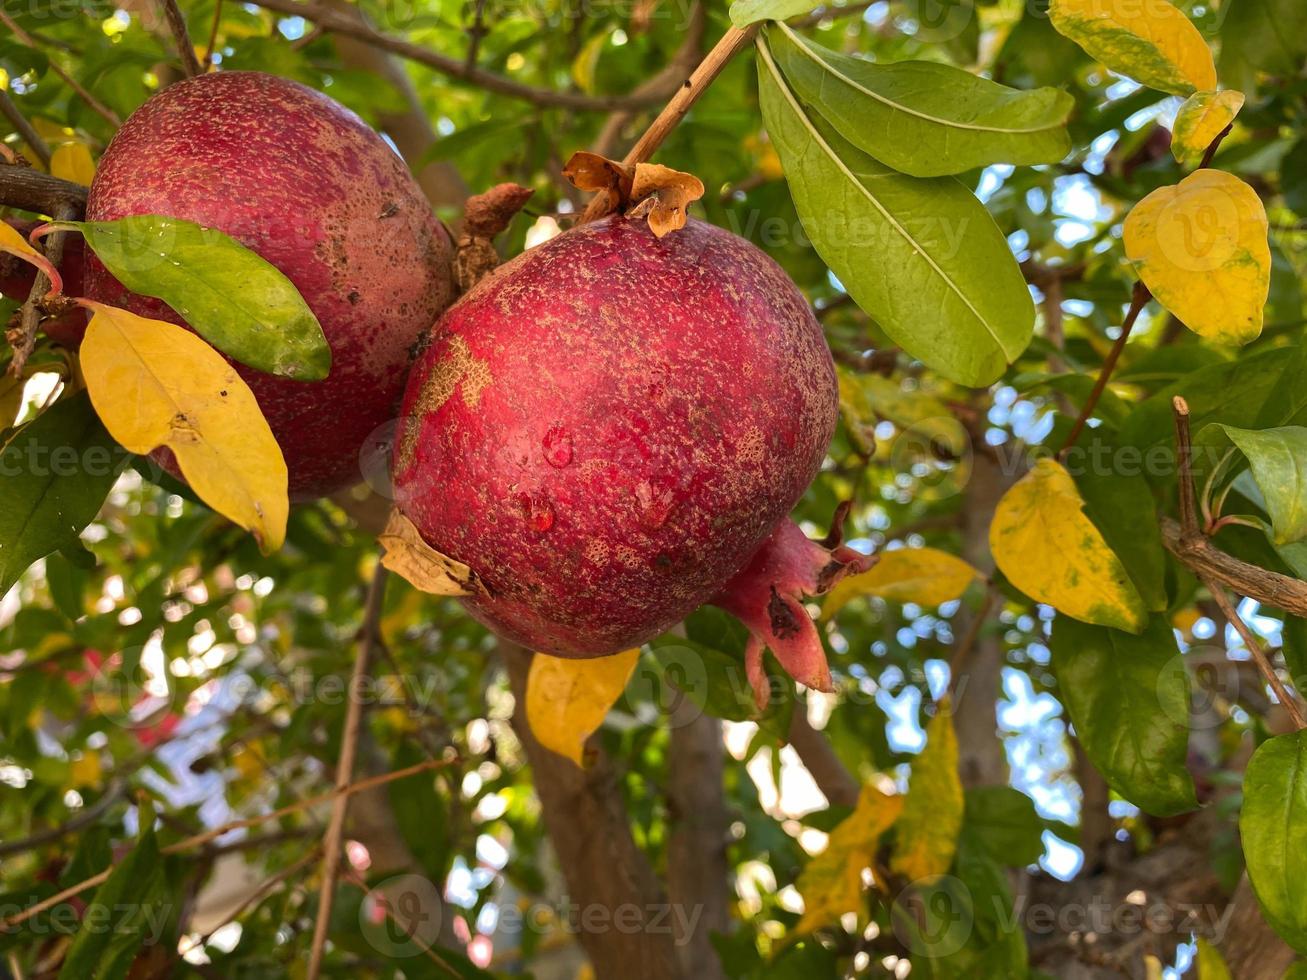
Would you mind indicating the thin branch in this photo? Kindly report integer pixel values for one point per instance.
(177, 24)
(1138, 298)
(1189, 528)
(1204, 559)
(23, 338)
(333, 21)
(30, 190)
(84, 818)
(837, 784)
(1213, 146)
(1258, 654)
(732, 43)
(968, 639)
(28, 41)
(24, 128)
(213, 35)
(475, 33)
(199, 840)
(345, 766)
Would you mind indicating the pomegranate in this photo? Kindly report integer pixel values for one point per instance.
(610, 430)
(307, 185)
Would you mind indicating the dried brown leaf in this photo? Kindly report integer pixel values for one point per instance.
(672, 193)
(486, 215)
(408, 556)
(591, 172)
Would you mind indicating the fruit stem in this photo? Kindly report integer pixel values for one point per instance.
(731, 44)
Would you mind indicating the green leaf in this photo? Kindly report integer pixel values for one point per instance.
(1211, 965)
(922, 257)
(1121, 506)
(1128, 697)
(746, 12)
(1273, 826)
(1265, 35)
(56, 471)
(126, 911)
(920, 117)
(926, 835)
(1003, 823)
(234, 299)
(1278, 458)
(707, 666)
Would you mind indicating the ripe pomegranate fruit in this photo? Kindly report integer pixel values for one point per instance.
(610, 430)
(307, 185)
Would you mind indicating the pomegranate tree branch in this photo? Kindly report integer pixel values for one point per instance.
(590, 828)
(24, 128)
(23, 337)
(177, 24)
(205, 837)
(337, 23)
(368, 641)
(1189, 529)
(1204, 559)
(1138, 298)
(837, 784)
(28, 41)
(732, 43)
(30, 190)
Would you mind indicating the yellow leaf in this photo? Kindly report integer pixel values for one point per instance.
(12, 241)
(85, 770)
(925, 576)
(1211, 964)
(410, 557)
(1201, 247)
(1046, 546)
(567, 699)
(926, 836)
(831, 883)
(1152, 41)
(1200, 120)
(155, 384)
(72, 161)
(1152, 968)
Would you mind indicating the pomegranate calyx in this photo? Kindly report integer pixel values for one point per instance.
(767, 596)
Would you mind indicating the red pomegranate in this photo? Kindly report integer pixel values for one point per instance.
(307, 185)
(610, 430)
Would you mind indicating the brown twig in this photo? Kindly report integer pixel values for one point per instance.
(731, 43)
(28, 41)
(177, 24)
(345, 767)
(1213, 146)
(24, 128)
(967, 641)
(475, 33)
(30, 190)
(23, 338)
(1190, 529)
(1197, 553)
(339, 23)
(1258, 654)
(213, 35)
(199, 840)
(1138, 298)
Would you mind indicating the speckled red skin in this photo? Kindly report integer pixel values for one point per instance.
(17, 276)
(310, 187)
(608, 427)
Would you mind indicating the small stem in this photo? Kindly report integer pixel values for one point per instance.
(1138, 298)
(731, 44)
(1184, 451)
(345, 767)
(213, 35)
(1213, 146)
(475, 33)
(24, 128)
(28, 41)
(1216, 525)
(1259, 656)
(177, 24)
(199, 840)
(1212, 508)
(23, 340)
